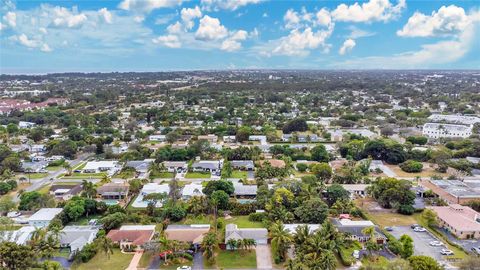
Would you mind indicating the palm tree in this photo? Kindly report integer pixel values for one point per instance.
(67, 167)
(165, 245)
(209, 245)
(372, 242)
(106, 179)
(328, 261)
(281, 240)
(88, 189)
(301, 236)
(106, 245)
(232, 243)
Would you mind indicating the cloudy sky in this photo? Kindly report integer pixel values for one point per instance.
(155, 35)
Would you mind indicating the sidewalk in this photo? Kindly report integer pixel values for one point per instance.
(135, 260)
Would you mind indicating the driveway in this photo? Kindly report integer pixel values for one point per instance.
(264, 257)
(250, 175)
(378, 164)
(421, 242)
(135, 260)
(197, 260)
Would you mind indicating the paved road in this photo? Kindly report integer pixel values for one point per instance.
(421, 241)
(38, 183)
(264, 257)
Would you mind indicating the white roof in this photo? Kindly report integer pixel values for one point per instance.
(291, 228)
(362, 223)
(93, 165)
(192, 190)
(155, 188)
(45, 214)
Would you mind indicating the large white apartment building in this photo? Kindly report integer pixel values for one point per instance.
(438, 130)
(454, 118)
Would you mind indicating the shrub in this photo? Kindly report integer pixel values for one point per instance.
(406, 209)
(257, 217)
(302, 167)
(411, 166)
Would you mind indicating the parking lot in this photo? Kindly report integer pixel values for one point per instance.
(421, 241)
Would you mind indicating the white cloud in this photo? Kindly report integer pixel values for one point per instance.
(43, 30)
(232, 43)
(63, 17)
(147, 5)
(210, 29)
(265, 15)
(227, 4)
(105, 15)
(323, 17)
(347, 46)
(45, 48)
(175, 28)
(10, 19)
(373, 10)
(428, 56)
(171, 41)
(139, 19)
(447, 21)
(292, 19)
(25, 41)
(299, 43)
(356, 32)
(189, 14)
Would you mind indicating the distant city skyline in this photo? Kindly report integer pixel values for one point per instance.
(163, 35)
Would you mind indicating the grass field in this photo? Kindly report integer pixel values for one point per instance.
(426, 172)
(117, 260)
(239, 174)
(243, 222)
(83, 175)
(194, 175)
(236, 259)
(161, 175)
(54, 168)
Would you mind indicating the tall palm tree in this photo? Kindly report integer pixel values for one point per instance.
(301, 236)
(165, 245)
(209, 245)
(328, 261)
(89, 189)
(281, 240)
(232, 243)
(67, 167)
(105, 179)
(106, 245)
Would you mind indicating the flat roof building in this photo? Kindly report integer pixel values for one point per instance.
(454, 191)
(43, 217)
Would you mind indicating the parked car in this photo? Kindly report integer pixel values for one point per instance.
(476, 250)
(185, 267)
(436, 243)
(446, 252)
(388, 229)
(356, 254)
(413, 226)
(419, 229)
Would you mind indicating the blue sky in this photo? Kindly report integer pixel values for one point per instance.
(156, 35)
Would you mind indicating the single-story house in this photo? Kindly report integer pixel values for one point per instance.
(20, 236)
(260, 235)
(210, 138)
(140, 166)
(244, 165)
(34, 167)
(229, 139)
(150, 188)
(187, 233)
(176, 166)
(213, 166)
(276, 163)
(191, 190)
(243, 191)
(38, 148)
(131, 236)
(287, 137)
(65, 192)
(43, 217)
(461, 221)
(157, 138)
(76, 237)
(113, 191)
(102, 166)
(353, 229)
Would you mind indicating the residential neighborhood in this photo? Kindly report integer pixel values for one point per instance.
(329, 170)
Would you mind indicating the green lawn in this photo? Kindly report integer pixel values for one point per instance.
(243, 222)
(198, 175)
(236, 259)
(239, 174)
(161, 175)
(200, 219)
(84, 220)
(54, 168)
(35, 175)
(80, 166)
(347, 252)
(84, 175)
(117, 260)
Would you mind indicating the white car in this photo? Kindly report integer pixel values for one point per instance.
(185, 267)
(436, 243)
(356, 254)
(446, 252)
(419, 229)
